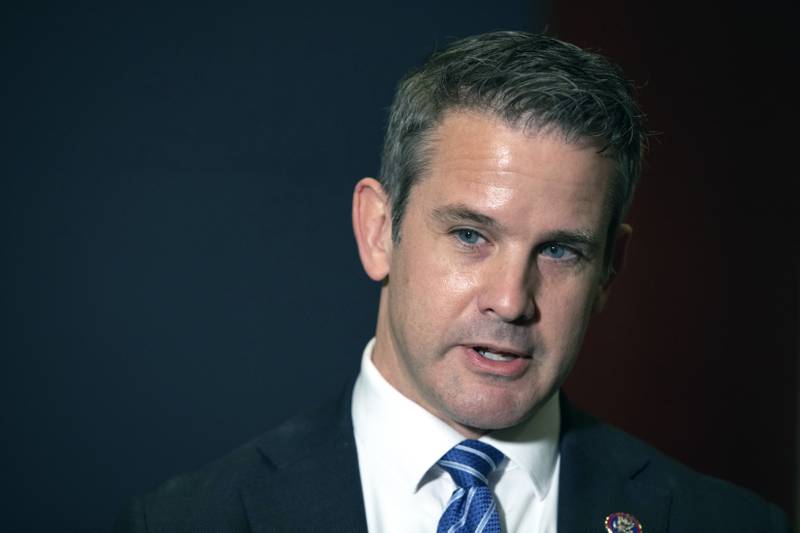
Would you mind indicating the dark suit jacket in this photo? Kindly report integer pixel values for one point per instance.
(303, 476)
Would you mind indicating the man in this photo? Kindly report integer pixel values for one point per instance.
(495, 229)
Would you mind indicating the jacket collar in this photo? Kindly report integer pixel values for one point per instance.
(315, 450)
(600, 471)
(600, 467)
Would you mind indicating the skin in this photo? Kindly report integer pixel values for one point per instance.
(502, 246)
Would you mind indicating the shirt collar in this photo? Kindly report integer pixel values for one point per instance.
(388, 423)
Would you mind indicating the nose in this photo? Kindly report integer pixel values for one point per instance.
(509, 292)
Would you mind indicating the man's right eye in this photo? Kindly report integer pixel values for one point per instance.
(470, 237)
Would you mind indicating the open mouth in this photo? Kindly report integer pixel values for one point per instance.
(495, 356)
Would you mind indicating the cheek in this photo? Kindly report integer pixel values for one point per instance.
(431, 294)
(458, 283)
(565, 311)
(437, 277)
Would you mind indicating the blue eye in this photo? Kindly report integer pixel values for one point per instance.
(558, 251)
(468, 236)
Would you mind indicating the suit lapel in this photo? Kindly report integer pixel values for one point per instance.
(598, 477)
(315, 485)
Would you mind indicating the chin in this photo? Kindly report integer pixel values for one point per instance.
(485, 424)
(492, 412)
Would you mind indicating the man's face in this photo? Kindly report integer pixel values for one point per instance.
(499, 266)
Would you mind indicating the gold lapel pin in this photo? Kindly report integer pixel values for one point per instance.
(622, 523)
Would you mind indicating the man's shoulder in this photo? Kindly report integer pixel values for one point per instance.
(215, 496)
(219, 478)
(690, 498)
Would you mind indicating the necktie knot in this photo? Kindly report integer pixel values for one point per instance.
(471, 508)
(470, 462)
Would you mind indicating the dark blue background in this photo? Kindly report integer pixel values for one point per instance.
(178, 268)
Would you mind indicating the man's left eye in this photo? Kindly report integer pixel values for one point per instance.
(558, 251)
(468, 236)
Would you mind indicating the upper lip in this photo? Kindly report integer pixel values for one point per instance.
(501, 349)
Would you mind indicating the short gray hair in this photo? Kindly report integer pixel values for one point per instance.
(531, 81)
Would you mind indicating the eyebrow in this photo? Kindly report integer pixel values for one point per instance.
(579, 238)
(460, 213)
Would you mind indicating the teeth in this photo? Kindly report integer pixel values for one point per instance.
(494, 356)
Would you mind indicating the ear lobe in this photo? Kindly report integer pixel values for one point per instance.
(617, 263)
(372, 225)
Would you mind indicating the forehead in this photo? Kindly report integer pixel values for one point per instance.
(479, 159)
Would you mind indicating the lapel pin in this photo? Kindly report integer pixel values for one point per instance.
(622, 523)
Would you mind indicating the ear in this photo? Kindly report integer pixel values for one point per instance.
(372, 225)
(618, 253)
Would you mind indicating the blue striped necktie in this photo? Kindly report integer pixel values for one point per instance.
(471, 508)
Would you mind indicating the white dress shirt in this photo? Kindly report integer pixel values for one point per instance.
(399, 442)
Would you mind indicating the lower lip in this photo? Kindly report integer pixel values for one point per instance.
(509, 369)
